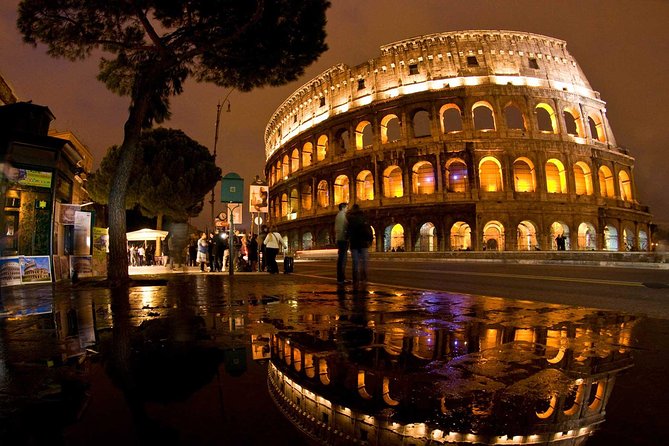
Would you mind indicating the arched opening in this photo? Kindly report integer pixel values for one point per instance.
(546, 122)
(423, 178)
(341, 190)
(490, 174)
(421, 124)
(583, 178)
(556, 178)
(427, 240)
(323, 239)
(526, 236)
(297, 359)
(341, 141)
(610, 238)
(606, 188)
(514, 117)
(484, 119)
(392, 182)
(456, 175)
(573, 122)
(323, 195)
(493, 236)
(362, 391)
(643, 241)
(293, 205)
(365, 186)
(279, 170)
(363, 135)
(461, 237)
(323, 372)
(321, 148)
(625, 185)
(309, 368)
(284, 205)
(523, 175)
(307, 197)
(387, 398)
(286, 167)
(394, 238)
(628, 239)
(307, 241)
(295, 160)
(307, 153)
(451, 118)
(587, 239)
(276, 206)
(390, 129)
(596, 128)
(559, 236)
(272, 175)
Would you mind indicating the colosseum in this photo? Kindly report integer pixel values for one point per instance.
(469, 140)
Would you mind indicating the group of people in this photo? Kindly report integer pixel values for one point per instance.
(141, 256)
(212, 253)
(352, 230)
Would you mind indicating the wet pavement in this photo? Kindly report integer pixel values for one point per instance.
(206, 359)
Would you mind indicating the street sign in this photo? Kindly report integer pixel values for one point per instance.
(232, 188)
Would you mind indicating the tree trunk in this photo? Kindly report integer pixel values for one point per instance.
(117, 269)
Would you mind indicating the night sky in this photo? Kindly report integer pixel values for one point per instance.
(621, 45)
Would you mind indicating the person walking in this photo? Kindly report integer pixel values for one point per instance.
(341, 238)
(263, 254)
(202, 251)
(253, 252)
(273, 241)
(360, 238)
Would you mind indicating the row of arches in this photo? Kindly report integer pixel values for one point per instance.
(423, 181)
(451, 123)
(493, 237)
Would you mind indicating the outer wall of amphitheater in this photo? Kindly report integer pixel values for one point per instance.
(471, 140)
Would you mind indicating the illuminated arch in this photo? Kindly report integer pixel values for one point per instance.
(293, 204)
(596, 127)
(583, 178)
(284, 205)
(484, 118)
(490, 174)
(307, 154)
(544, 413)
(365, 186)
(493, 236)
(577, 395)
(557, 342)
(390, 129)
(321, 148)
(629, 239)
(279, 170)
(306, 197)
(392, 182)
(341, 190)
(451, 118)
(559, 228)
(363, 135)
(610, 238)
(386, 393)
(421, 124)
(307, 242)
(323, 195)
(573, 122)
(323, 371)
(427, 239)
(606, 188)
(362, 390)
(643, 240)
(309, 368)
(556, 178)
(587, 237)
(527, 236)
(456, 175)
(515, 120)
(297, 359)
(423, 178)
(341, 141)
(394, 238)
(272, 175)
(461, 236)
(287, 356)
(295, 160)
(523, 175)
(546, 120)
(625, 185)
(596, 397)
(285, 170)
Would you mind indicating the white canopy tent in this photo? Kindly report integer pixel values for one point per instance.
(145, 234)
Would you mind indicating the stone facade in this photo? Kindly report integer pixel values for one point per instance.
(465, 140)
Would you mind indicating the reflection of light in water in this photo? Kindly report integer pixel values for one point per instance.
(150, 297)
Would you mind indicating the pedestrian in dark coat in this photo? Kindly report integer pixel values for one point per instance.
(360, 238)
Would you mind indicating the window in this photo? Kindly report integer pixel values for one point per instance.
(456, 176)
(483, 116)
(472, 61)
(532, 62)
(556, 179)
(392, 182)
(490, 175)
(523, 175)
(413, 68)
(514, 117)
(451, 118)
(361, 84)
(606, 182)
(365, 186)
(363, 135)
(423, 178)
(307, 151)
(421, 124)
(546, 121)
(323, 195)
(341, 190)
(321, 101)
(390, 129)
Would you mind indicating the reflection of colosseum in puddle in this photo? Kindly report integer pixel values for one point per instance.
(456, 141)
(473, 382)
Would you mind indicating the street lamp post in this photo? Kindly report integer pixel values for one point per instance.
(218, 121)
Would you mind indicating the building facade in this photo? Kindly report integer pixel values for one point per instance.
(470, 140)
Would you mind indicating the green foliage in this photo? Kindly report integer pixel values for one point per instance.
(171, 175)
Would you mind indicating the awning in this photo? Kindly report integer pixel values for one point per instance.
(145, 234)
